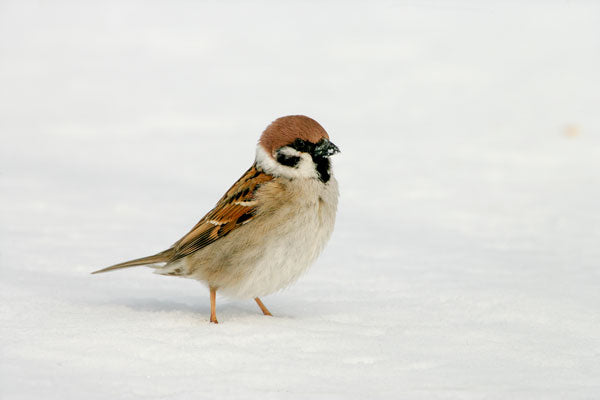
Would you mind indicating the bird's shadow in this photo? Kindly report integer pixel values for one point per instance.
(191, 306)
(156, 305)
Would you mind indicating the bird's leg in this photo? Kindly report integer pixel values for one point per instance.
(213, 304)
(262, 307)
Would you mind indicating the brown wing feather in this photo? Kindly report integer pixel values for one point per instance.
(234, 209)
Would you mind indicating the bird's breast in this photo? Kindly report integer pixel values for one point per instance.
(283, 243)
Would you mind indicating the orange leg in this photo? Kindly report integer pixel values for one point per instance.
(262, 307)
(213, 305)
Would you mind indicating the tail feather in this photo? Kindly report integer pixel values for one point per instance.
(163, 256)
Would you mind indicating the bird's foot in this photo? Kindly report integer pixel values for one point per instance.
(264, 309)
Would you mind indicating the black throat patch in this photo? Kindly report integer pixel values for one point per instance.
(322, 168)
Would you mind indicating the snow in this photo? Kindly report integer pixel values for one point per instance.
(464, 263)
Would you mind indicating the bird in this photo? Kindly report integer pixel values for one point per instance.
(269, 227)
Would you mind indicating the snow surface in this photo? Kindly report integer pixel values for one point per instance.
(465, 261)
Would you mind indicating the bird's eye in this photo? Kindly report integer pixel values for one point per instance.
(288, 160)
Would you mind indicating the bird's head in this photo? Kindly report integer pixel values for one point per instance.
(296, 146)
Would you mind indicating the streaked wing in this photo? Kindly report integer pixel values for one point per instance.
(235, 208)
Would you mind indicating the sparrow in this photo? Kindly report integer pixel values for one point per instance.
(269, 227)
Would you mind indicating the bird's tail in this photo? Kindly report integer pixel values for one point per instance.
(163, 256)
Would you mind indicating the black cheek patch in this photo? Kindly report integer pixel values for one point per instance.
(288, 161)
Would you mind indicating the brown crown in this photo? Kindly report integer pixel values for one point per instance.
(285, 130)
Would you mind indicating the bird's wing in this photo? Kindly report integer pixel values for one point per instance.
(235, 208)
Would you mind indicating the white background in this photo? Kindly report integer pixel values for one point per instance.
(465, 261)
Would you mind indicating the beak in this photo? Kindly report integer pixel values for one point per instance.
(325, 149)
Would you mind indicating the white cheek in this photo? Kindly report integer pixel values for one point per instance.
(304, 169)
